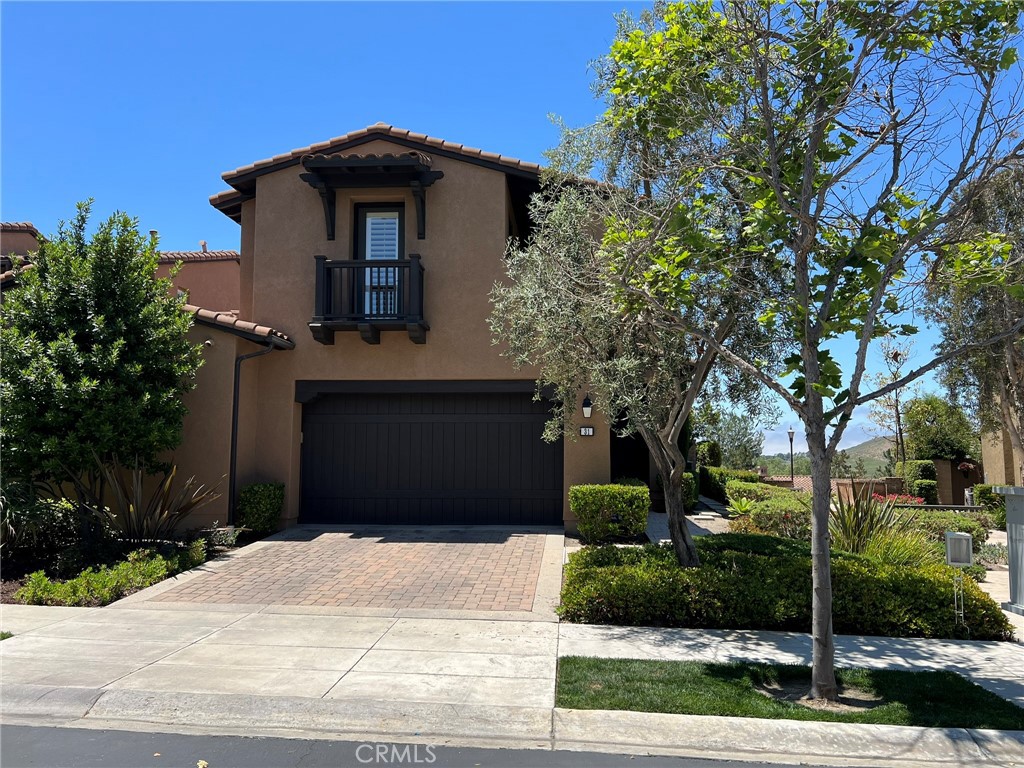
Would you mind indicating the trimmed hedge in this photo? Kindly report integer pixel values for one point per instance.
(142, 568)
(259, 507)
(788, 516)
(935, 523)
(926, 489)
(691, 491)
(608, 512)
(912, 471)
(993, 503)
(764, 583)
(709, 454)
(739, 489)
(713, 481)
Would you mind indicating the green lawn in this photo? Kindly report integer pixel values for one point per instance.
(936, 699)
(5, 635)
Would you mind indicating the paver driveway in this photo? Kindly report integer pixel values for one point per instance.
(467, 569)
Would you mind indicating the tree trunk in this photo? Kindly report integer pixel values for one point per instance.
(671, 466)
(682, 542)
(823, 673)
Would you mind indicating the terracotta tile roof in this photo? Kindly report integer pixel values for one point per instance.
(18, 226)
(172, 257)
(385, 131)
(229, 322)
(411, 155)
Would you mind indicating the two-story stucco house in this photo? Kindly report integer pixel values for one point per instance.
(358, 367)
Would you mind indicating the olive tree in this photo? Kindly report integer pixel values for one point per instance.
(561, 310)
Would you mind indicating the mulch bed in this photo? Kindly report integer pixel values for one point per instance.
(7, 589)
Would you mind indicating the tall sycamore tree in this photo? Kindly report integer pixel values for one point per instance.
(849, 138)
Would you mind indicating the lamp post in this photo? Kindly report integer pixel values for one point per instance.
(792, 476)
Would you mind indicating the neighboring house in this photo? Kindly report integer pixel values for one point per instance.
(17, 240)
(370, 258)
(210, 278)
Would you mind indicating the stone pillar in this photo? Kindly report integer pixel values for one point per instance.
(1014, 497)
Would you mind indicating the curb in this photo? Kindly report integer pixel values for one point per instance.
(542, 728)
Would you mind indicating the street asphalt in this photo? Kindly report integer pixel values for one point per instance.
(45, 747)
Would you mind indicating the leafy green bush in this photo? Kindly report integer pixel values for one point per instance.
(741, 489)
(102, 586)
(709, 454)
(259, 506)
(760, 582)
(608, 512)
(629, 481)
(912, 471)
(993, 503)
(713, 481)
(51, 534)
(935, 522)
(788, 516)
(691, 491)
(926, 489)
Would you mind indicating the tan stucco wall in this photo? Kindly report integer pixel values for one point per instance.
(209, 284)
(206, 440)
(461, 255)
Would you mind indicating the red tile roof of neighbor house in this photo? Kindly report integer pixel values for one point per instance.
(173, 257)
(18, 226)
(228, 321)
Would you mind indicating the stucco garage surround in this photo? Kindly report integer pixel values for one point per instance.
(442, 457)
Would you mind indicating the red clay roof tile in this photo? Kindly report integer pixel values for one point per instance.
(385, 131)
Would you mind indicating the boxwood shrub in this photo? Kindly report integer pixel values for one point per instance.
(764, 583)
(935, 522)
(259, 507)
(610, 512)
(911, 471)
(926, 489)
(788, 516)
(713, 481)
(741, 489)
(691, 491)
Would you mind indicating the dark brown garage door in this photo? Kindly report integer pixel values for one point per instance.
(429, 459)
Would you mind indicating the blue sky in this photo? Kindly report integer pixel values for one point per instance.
(143, 105)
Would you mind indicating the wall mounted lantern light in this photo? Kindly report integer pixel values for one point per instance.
(588, 407)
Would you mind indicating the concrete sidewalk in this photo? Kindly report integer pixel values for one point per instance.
(446, 680)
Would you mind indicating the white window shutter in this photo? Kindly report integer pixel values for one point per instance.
(382, 235)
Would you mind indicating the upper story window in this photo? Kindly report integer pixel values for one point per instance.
(380, 231)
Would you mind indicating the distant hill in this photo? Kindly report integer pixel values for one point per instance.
(870, 452)
(870, 449)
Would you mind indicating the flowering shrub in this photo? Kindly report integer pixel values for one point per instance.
(897, 498)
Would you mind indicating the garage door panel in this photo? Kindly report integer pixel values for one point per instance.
(449, 459)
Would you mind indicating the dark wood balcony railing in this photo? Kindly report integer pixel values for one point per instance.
(368, 296)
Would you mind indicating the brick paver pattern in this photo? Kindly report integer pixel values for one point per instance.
(457, 569)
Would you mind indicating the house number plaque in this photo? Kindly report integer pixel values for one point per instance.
(587, 431)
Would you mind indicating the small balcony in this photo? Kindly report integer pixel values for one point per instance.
(368, 297)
